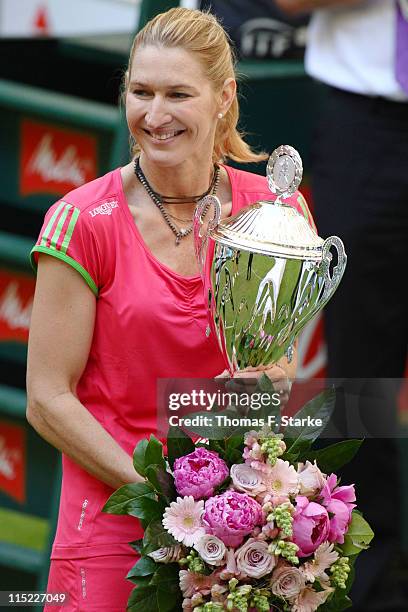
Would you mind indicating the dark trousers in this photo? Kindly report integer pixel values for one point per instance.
(360, 193)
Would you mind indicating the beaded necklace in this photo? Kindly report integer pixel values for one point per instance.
(159, 199)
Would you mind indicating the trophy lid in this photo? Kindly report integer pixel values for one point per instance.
(272, 227)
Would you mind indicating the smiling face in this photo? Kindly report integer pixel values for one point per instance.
(171, 106)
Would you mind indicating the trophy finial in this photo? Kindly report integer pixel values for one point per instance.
(284, 171)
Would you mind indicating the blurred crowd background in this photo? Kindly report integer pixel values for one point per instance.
(346, 111)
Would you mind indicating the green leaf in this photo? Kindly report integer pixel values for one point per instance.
(140, 581)
(265, 384)
(162, 481)
(126, 500)
(337, 604)
(156, 536)
(167, 577)
(358, 537)
(154, 453)
(145, 566)
(143, 599)
(137, 545)
(139, 457)
(333, 457)
(178, 445)
(167, 580)
(321, 407)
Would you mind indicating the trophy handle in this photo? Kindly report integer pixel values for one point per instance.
(201, 235)
(332, 282)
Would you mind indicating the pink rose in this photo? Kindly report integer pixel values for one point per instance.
(198, 473)
(231, 516)
(311, 526)
(338, 502)
(254, 560)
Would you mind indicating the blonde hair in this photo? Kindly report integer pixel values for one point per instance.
(202, 34)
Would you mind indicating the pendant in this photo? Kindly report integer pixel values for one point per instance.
(178, 238)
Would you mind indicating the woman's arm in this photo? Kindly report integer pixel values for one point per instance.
(297, 7)
(61, 332)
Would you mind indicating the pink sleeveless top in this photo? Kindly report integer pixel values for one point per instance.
(150, 324)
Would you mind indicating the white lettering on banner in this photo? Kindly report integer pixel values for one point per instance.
(69, 168)
(8, 458)
(12, 310)
(104, 209)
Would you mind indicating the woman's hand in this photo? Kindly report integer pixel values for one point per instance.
(281, 375)
(245, 381)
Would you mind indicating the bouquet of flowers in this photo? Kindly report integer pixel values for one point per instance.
(255, 521)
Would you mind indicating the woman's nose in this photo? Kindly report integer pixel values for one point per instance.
(157, 114)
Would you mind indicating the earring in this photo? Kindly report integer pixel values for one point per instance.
(220, 115)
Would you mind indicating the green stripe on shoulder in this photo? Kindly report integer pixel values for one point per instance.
(51, 222)
(60, 224)
(70, 229)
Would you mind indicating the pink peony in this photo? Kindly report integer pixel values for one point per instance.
(254, 560)
(198, 473)
(339, 503)
(231, 516)
(311, 525)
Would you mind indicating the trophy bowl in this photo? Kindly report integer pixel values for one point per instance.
(265, 271)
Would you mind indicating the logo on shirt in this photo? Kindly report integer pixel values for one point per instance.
(104, 209)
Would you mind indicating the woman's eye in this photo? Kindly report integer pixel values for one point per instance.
(140, 92)
(179, 94)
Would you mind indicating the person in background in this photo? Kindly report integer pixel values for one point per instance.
(359, 49)
(259, 29)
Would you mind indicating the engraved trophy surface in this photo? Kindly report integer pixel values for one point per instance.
(265, 271)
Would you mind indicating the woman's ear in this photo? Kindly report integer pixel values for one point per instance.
(228, 93)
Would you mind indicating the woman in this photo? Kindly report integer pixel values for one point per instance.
(98, 347)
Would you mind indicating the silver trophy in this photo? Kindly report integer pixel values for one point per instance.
(265, 271)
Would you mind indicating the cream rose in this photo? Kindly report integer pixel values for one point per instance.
(246, 480)
(287, 581)
(211, 549)
(311, 479)
(254, 560)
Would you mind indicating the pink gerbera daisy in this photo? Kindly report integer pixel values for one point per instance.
(183, 520)
(282, 479)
